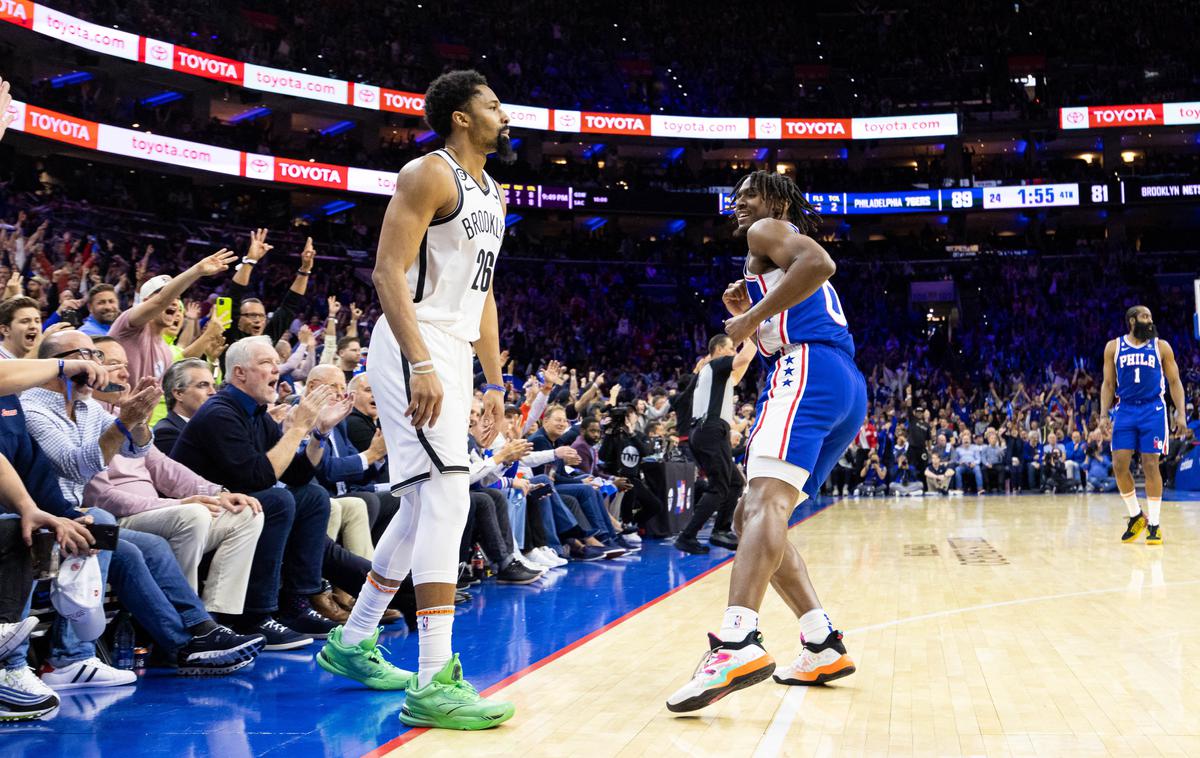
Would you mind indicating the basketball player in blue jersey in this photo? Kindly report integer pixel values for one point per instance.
(437, 250)
(812, 406)
(1137, 369)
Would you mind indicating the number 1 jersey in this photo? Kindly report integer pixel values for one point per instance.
(453, 272)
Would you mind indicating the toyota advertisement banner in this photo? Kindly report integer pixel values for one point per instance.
(153, 52)
(1147, 114)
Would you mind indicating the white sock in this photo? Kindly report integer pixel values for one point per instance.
(1155, 508)
(1131, 503)
(738, 622)
(372, 601)
(815, 626)
(434, 627)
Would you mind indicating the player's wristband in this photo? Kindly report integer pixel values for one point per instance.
(422, 364)
(493, 388)
(248, 261)
(302, 273)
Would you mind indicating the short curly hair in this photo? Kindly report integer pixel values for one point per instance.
(449, 93)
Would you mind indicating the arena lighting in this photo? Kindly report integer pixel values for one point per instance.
(1087, 158)
(762, 153)
(512, 220)
(424, 137)
(594, 223)
(250, 115)
(65, 80)
(674, 154)
(340, 127)
(594, 148)
(1129, 156)
(161, 98)
(337, 206)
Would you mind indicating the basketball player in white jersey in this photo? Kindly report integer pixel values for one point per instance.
(433, 271)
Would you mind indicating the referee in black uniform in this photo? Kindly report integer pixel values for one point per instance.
(711, 414)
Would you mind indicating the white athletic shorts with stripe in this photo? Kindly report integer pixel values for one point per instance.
(414, 453)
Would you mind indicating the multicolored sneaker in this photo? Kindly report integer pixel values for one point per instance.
(1136, 525)
(450, 702)
(1153, 535)
(363, 662)
(725, 668)
(818, 664)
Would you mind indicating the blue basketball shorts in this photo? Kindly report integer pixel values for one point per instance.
(1144, 427)
(812, 406)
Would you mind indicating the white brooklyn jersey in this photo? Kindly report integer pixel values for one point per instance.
(453, 272)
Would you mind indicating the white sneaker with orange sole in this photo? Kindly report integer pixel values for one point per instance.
(818, 664)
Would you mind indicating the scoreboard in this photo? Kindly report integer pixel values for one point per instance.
(1015, 197)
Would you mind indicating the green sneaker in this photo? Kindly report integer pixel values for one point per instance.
(450, 702)
(362, 662)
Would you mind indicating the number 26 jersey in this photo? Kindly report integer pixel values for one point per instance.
(453, 273)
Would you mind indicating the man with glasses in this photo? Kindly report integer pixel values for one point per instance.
(76, 439)
(251, 314)
(187, 385)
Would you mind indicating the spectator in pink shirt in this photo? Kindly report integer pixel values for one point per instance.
(140, 329)
(158, 495)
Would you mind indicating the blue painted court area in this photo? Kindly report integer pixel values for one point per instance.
(284, 705)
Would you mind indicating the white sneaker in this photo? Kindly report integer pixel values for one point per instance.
(550, 557)
(90, 673)
(633, 538)
(818, 664)
(12, 635)
(725, 668)
(529, 564)
(23, 696)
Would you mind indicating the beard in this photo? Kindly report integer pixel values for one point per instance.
(504, 149)
(1143, 331)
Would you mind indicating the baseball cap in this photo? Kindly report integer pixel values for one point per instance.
(153, 285)
(78, 595)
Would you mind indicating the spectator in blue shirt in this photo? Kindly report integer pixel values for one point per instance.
(968, 457)
(1076, 452)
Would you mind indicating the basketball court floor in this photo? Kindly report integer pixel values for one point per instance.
(991, 626)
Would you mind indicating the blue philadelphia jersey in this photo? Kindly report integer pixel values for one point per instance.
(1140, 419)
(817, 319)
(1139, 372)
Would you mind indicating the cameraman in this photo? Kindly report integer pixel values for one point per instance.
(874, 476)
(621, 454)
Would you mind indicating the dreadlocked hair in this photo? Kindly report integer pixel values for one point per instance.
(777, 190)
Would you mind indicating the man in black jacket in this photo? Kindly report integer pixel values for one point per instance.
(187, 385)
(233, 441)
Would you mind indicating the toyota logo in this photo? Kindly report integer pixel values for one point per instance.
(1075, 117)
(766, 128)
(258, 164)
(159, 53)
(11, 109)
(568, 121)
(366, 95)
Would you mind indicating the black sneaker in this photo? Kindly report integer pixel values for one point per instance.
(612, 550)
(727, 540)
(461, 597)
(690, 545)
(307, 621)
(516, 573)
(630, 548)
(466, 577)
(220, 652)
(281, 637)
(1135, 527)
